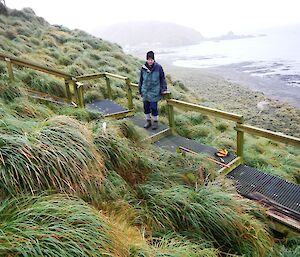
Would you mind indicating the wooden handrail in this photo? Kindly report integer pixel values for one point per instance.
(91, 76)
(134, 85)
(35, 66)
(103, 75)
(115, 76)
(269, 134)
(206, 110)
(240, 127)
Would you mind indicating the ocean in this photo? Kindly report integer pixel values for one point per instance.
(273, 55)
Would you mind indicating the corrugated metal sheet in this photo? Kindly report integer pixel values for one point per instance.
(250, 180)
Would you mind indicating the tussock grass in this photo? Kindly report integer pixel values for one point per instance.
(175, 246)
(78, 113)
(74, 51)
(3, 68)
(121, 155)
(55, 155)
(174, 169)
(9, 91)
(206, 214)
(274, 158)
(93, 95)
(26, 109)
(291, 247)
(43, 83)
(56, 225)
(152, 203)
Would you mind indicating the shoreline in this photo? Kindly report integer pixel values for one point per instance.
(271, 87)
(263, 103)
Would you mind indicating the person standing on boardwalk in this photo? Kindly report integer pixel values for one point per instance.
(152, 86)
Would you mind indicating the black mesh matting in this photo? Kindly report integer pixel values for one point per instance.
(250, 180)
(105, 107)
(171, 142)
(139, 121)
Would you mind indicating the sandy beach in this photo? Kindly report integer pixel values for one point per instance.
(264, 103)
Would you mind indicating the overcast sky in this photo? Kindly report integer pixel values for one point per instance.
(210, 17)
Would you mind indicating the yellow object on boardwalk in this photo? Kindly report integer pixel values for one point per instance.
(222, 153)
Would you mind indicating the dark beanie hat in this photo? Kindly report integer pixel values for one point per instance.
(150, 54)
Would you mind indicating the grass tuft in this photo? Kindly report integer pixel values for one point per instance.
(206, 214)
(55, 225)
(54, 155)
(9, 91)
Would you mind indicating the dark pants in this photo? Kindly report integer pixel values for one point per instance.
(151, 107)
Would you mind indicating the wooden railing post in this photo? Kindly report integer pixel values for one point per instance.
(68, 91)
(240, 141)
(129, 93)
(170, 113)
(73, 90)
(80, 94)
(10, 68)
(109, 92)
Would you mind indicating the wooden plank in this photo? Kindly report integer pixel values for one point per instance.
(206, 110)
(73, 91)
(232, 165)
(91, 76)
(207, 158)
(156, 137)
(289, 222)
(134, 85)
(68, 91)
(171, 117)
(119, 115)
(269, 134)
(281, 219)
(115, 76)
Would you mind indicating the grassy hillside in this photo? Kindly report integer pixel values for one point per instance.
(27, 36)
(71, 187)
(80, 53)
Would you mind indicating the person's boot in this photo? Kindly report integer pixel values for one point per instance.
(155, 125)
(147, 124)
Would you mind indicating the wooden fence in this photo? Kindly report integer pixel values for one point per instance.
(77, 93)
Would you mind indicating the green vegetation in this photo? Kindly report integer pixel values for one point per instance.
(56, 154)
(55, 225)
(29, 37)
(73, 187)
(206, 214)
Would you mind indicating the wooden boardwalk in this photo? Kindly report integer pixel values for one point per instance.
(273, 192)
(279, 196)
